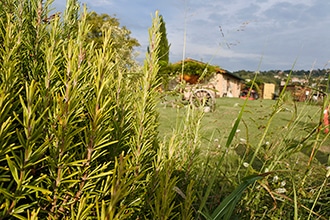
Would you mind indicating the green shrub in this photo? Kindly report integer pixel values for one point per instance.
(78, 131)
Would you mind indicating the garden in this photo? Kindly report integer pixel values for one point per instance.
(281, 138)
(84, 134)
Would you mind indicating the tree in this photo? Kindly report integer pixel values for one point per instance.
(194, 67)
(164, 47)
(121, 41)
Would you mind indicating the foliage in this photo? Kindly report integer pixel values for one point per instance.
(164, 47)
(285, 149)
(80, 137)
(75, 142)
(193, 67)
(318, 78)
(227, 206)
(121, 42)
(163, 54)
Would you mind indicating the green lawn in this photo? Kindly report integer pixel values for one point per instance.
(292, 124)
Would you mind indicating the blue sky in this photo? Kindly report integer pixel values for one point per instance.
(234, 34)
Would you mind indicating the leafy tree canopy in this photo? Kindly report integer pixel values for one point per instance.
(121, 41)
(194, 67)
(101, 22)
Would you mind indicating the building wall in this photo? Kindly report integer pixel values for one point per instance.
(226, 86)
(268, 91)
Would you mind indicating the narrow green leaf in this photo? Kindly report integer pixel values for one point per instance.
(19, 216)
(12, 169)
(295, 200)
(101, 175)
(22, 208)
(42, 190)
(7, 194)
(226, 207)
(206, 215)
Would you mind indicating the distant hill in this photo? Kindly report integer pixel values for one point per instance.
(313, 78)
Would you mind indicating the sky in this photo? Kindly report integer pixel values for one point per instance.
(254, 35)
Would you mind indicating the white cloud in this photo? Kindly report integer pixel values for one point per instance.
(99, 3)
(280, 29)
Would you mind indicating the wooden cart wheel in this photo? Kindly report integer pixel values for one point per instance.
(203, 98)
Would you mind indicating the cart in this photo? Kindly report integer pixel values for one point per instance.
(201, 98)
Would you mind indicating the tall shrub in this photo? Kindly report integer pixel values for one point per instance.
(78, 131)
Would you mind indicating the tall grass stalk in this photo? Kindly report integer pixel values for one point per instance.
(276, 110)
(318, 194)
(227, 145)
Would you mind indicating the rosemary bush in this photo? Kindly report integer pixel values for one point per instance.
(78, 130)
